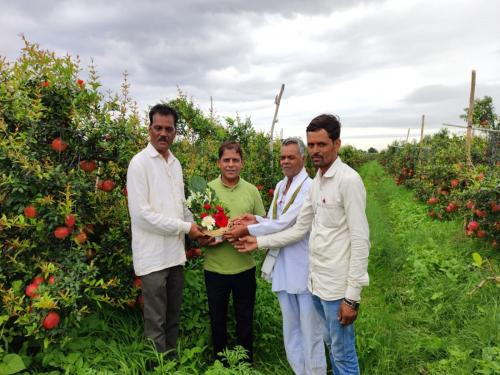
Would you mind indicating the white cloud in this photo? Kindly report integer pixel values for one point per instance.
(378, 64)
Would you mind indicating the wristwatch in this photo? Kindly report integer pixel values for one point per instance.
(352, 304)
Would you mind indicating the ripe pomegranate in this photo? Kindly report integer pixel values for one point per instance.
(480, 213)
(473, 225)
(70, 220)
(451, 207)
(432, 200)
(51, 320)
(107, 185)
(494, 207)
(196, 252)
(454, 183)
(38, 280)
(58, 145)
(61, 233)
(31, 290)
(470, 205)
(80, 238)
(88, 165)
(137, 283)
(52, 280)
(481, 233)
(30, 212)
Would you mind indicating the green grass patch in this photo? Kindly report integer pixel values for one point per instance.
(422, 313)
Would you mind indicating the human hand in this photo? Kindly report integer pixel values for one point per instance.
(196, 232)
(207, 241)
(346, 314)
(236, 232)
(246, 244)
(246, 219)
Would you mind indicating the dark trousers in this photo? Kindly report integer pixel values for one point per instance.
(162, 292)
(243, 287)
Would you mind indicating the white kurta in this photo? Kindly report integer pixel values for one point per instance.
(158, 213)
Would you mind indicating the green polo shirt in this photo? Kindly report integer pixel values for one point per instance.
(240, 199)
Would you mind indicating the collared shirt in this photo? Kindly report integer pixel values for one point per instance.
(239, 199)
(334, 211)
(292, 265)
(158, 213)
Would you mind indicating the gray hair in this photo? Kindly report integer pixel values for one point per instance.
(295, 141)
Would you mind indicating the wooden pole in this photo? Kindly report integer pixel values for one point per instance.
(408, 135)
(421, 141)
(468, 142)
(422, 129)
(277, 101)
(211, 108)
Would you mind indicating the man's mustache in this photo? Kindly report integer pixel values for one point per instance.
(161, 139)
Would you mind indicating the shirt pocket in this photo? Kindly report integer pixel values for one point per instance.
(330, 214)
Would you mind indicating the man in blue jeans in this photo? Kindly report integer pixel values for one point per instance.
(334, 212)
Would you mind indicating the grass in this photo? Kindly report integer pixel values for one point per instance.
(420, 314)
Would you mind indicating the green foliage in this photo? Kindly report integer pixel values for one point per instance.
(437, 171)
(423, 311)
(50, 122)
(354, 157)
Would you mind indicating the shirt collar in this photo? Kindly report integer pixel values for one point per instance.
(229, 187)
(297, 180)
(153, 153)
(332, 170)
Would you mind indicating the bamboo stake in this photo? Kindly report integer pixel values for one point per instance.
(421, 141)
(408, 135)
(468, 143)
(211, 108)
(277, 101)
(422, 129)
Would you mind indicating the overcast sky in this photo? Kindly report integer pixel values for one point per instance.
(379, 65)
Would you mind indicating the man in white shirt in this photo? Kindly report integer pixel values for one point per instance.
(160, 220)
(334, 212)
(288, 267)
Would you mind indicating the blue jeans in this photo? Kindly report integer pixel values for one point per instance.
(338, 338)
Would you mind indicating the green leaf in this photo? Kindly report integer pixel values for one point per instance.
(11, 364)
(197, 184)
(478, 260)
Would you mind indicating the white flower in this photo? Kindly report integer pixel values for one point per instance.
(189, 201)
(208, 222)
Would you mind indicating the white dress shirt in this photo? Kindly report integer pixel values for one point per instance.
(158, 213)
(334, 212)
(292, 265)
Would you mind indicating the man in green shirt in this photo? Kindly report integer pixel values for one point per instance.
(228, 271)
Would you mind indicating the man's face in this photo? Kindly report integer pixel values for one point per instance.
(290, 160)
(230, 165)
(322, 149)
(162, 132)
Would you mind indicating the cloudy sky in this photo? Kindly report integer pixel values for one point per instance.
(379, 65)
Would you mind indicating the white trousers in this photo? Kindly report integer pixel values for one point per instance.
(302, 334)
